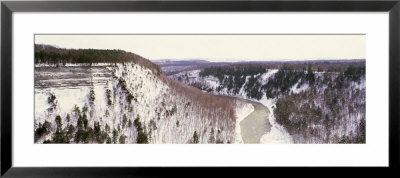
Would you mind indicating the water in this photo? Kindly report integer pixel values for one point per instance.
(256, 124)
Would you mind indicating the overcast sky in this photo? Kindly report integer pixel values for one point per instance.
(220, 47)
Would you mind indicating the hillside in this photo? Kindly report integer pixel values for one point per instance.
(113, 96)
(137, 103)
(321, 102)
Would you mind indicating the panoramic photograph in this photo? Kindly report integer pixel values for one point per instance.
(199, 89)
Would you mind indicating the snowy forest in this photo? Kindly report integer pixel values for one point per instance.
(316, 102)
(118, 97)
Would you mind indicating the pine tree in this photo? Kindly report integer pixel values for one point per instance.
(115, 136)
(195, 137)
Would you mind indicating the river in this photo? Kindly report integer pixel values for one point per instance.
(256, 124)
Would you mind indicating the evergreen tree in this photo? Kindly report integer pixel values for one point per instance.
(115, 136)
(195, 137)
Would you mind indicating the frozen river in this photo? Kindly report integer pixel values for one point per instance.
(256, 124)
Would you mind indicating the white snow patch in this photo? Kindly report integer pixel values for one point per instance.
(268, 74)
(302, 88)
(360, 85)
(277, 134)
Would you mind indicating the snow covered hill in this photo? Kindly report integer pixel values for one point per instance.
(134, 105)
(313, 107)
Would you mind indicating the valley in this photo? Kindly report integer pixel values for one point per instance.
(309, 102)
(117, 97)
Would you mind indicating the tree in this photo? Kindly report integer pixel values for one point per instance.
(60, 137)
(122, 139)
(219, 141)
(52, 55)
(195, 137)
(115, 135)
(85, 120)
(84, 109)
(212, 138)
(310, 76)
(58, 121)
(137, 123)
(98, 133)
(108, 140)
(76, 110)
(107, 128)
(42, 130)
(71, 130)
(91, 96)
(108, 94)
(68, 118)
(124, 120)
(142, 137)
(129, 123)
(52, 100)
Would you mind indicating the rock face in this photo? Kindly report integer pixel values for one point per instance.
(129, 102)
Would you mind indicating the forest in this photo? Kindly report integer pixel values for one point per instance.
(315, 102)
(331, 111)
(46, 54)
(233, 78)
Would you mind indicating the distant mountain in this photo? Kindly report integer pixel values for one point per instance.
(164, 62)
(317, 61)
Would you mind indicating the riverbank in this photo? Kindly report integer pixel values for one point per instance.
(277, 134)
(256, 124)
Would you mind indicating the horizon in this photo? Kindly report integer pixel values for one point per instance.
(240, 60)
(221, 60)
(219, 48)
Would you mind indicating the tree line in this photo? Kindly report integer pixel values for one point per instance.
(51, 55)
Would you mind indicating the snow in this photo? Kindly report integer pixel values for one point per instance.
(212, 81)
(151, 93)
(74, 64)
(268, 74)
(66, 99)
(194, 73)
(242, 111)
(297, 90)
(360, 85)
(242, 92)
(277, 134)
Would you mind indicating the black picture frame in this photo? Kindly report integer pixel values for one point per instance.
(8, 7)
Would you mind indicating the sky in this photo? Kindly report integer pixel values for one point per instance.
(220, 47)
